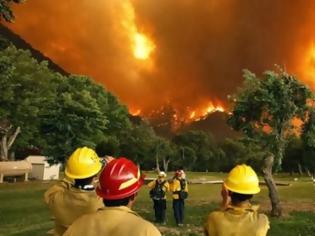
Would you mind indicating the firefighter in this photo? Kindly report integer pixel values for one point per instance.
(119, 183)
(68, 200)
(159, 187)
(179, 188)
(238, 217)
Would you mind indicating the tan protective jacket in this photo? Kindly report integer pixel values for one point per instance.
(243, 220)
(67, 203)
(175, 187)
(112, 221)
(165, 187)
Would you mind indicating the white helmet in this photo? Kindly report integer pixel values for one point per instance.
(162, 174)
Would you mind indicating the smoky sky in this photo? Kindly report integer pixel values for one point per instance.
(201, 45)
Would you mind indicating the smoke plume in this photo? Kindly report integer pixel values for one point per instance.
(200, 47)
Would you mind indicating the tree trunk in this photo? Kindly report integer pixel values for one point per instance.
(7, 141)
(300, 169)
(157, 163)
(165, 164)
(308, 172)
(273, 193)
(4, 149)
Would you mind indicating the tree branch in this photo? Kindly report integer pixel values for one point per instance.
(13, 137)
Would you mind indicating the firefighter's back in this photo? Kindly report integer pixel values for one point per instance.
(118, 221)
(237, 222)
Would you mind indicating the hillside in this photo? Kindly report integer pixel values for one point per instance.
(214, 123)
(17, 41)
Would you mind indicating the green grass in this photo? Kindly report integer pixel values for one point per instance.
(22, 211)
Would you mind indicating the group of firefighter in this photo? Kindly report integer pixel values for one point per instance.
(179, 188)
(98, 192)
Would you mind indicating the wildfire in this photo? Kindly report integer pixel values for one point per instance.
(192, 115)
(311, 60)
(212, 108)
(307, 66)
(134, 112)
(141, 45)
(203, 111)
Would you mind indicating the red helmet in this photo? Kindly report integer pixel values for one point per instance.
(119, 179)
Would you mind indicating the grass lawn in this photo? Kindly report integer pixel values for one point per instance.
(22, 211)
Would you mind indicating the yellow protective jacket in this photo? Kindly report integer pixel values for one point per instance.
(243, 220)
(165, 187)
(175, 187)
(112, 221)
(67, 203)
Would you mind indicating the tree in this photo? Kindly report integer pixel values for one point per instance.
(195, 148)
(263, 109)
(8, 136)
(26, 92)
(5, 9)
(74, 118)
(308, 139)
(293, 158)
(164, 151)
(138, 144)
(56, 113)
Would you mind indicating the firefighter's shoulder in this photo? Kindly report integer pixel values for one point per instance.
(112, 221)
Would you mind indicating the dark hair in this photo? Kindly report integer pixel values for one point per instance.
(118, 202)
(107, 147)
(238, 197)
(80, 183)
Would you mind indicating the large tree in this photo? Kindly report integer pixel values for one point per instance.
(264, 110)
(26, 92)
(55, 113)
(139, 144)
(195, 149)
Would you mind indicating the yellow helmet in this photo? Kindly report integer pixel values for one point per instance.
(83, 163)
(242, 179)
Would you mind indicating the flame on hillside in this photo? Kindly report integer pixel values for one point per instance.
(135, 112)
(173, 118)
(202, 112)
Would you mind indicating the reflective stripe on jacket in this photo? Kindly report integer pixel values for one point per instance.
(237, 221)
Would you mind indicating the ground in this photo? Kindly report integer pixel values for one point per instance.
(22, 211)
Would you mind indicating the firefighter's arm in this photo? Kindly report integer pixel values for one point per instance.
(263, 225)
(56, 189)
(151, 184)
(166, 187)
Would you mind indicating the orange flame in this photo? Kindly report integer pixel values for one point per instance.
(192, 115)
(307, 65)
(202, 111)
(134, 112)
(142, 46)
